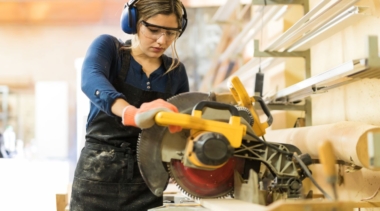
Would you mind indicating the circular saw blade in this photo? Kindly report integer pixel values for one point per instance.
(198, 183)
(158, 149)
(149, 144)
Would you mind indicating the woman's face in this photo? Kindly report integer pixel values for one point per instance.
(157, 33)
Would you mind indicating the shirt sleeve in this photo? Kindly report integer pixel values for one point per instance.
(96, 83)
(184, 81)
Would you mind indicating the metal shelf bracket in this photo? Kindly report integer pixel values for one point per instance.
(304, 54)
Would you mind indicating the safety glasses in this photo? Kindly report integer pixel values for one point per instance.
(155, 32)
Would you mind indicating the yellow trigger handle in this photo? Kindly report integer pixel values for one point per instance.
(233, 130)
(242, 98)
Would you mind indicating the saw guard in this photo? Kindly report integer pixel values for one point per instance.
(149, 158)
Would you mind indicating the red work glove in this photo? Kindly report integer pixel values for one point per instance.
(143, 117)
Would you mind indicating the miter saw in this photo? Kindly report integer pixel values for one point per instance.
(222, 136)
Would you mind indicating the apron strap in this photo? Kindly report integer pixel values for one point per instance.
(169, 85)
(126, 54)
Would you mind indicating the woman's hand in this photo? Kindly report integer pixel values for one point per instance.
(143, 117)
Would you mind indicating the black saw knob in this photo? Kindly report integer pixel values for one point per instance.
(212, 148)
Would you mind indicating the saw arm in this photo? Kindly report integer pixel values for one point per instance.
(233, 130)
(242, 98)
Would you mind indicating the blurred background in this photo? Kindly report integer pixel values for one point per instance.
(43, 111)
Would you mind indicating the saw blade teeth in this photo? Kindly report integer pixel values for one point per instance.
(138, 148)
(176, 183)
(174, 97)
(188, 194)
(181, 94)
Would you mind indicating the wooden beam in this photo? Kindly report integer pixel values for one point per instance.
(53, 12)
(373, 5)
(352, 135)
(75, 12)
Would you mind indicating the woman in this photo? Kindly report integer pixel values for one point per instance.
(127, 85)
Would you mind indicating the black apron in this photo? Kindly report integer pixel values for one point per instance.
(107, 176)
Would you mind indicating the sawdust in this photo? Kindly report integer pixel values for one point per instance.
(106, 154)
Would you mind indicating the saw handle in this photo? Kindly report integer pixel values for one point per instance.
(221, 106)
(328, 160)
(265, 109)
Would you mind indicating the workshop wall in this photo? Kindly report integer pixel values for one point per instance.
(357, 101)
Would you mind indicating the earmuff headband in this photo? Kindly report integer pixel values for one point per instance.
(128, 21)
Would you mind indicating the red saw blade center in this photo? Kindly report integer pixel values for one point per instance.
(205, 183)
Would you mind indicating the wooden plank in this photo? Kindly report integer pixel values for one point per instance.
(286, 205)
(230, 204)
(61, 201)
(352, 135)
(59, 11)
(314, 205)
(374, 6)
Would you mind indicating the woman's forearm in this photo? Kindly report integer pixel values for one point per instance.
(118, 106)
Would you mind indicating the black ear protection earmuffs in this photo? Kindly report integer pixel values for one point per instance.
(128, 19)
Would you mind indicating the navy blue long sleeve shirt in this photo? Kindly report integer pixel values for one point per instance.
(102, 64)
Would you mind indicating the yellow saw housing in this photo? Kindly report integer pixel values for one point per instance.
(210, 143)
(242, 98)
(233, 131)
